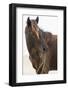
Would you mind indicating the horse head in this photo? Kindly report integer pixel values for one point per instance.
(37, 34)
(36, 44)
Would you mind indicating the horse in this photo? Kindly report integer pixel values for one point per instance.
(42, 47)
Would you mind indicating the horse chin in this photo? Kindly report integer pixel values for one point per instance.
(43, 66)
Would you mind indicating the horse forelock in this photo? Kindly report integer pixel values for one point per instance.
(33, 28)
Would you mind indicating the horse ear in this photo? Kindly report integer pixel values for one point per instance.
(28, 21)
(37, 19)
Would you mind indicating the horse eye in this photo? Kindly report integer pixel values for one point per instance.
(43, 49)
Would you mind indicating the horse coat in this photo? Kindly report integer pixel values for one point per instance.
(42, 47)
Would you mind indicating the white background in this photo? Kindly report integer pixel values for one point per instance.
(4, 44)
(22, 59)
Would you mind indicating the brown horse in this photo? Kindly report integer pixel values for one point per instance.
(42, 47)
